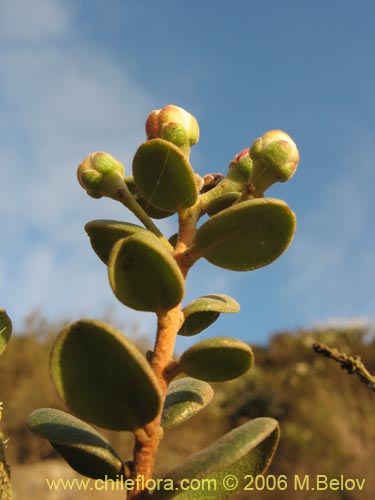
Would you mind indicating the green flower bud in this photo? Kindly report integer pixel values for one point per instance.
(240, 167)
(101, 175)
(221, 192)
(275, 158)
(175, 125)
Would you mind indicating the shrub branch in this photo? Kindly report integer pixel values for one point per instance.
(351, 364)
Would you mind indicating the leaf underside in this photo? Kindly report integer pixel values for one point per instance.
(185, 398)
(246, 450)
(85, 450)
(104, 233)
(202, 312)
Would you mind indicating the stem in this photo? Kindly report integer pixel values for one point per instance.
(226, 185)
(188, 218)
(147, 440)
(127, 199)
(187, 222)
(351, 364)
(5, 486)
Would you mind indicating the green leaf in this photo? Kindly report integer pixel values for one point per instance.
(85, 450)
(217, 359)
(186, 397)
(5, 330)
(103, 378)
(105, 233)
(164, 176)
(243, 452)
(173, 239)
(247, 235)
(151, 211)
(221, 202)
(144, 275)
(201, 313)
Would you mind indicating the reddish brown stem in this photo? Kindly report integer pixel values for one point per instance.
(147, 440)
(187, 222)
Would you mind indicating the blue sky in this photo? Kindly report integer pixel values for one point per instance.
(81, 76)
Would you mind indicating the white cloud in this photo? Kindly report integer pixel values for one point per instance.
(60, 104)
(32, 20)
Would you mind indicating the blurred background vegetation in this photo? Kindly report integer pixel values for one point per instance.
(327, 417)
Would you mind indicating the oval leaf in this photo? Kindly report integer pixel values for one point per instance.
(103, 378)
(217, 359)
(186, 397)
(85, 450)
(151, 211)
(246, 450)
(247, 235)
(201, 313)
(144, 275)
(164, 176)
(5, 330)
(105, 233)
(221, 202)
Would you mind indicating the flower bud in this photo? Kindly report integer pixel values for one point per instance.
(240, 167)
(275, 158)
(101, 175)
(224, 191)
(175, 125)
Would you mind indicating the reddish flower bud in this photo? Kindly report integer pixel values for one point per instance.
(175, 125)
(240, 167)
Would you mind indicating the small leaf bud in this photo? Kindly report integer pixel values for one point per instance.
(100, 174)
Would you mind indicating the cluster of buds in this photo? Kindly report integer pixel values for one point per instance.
(175, 125)
(271, 158)
(100, 174)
